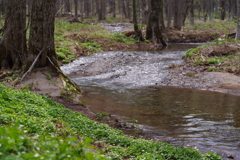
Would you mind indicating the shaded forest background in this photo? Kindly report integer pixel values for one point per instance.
(174, 12)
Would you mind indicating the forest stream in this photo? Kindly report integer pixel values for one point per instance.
(130, 86)
(134, 85)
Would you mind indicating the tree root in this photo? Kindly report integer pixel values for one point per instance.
(64, 78)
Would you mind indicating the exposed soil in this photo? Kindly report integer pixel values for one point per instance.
(190, 36)
(195, 77)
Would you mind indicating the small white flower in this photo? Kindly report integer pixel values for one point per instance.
(36, 155)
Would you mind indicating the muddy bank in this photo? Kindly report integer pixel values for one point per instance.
(214, 67)
(174, 36)
(196, 78)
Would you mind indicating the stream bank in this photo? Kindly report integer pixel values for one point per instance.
(138, 85)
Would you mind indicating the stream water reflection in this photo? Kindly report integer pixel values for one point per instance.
(208, 121)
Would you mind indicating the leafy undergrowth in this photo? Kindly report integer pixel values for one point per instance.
(77, 39)
(221, 56)
(35, 127)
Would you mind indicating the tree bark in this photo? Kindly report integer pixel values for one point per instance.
(101, 9)
(138, 32)
(76, 8)
(234, 10)
(192, 12)
(161, 15)
(67, 6)
(153, 32)
(87, 8)
(223, 10)
(238, 21)
(41, 37)
(13, 41)
(144, 12)
(169, 13)
(178, 14)
(112, 5)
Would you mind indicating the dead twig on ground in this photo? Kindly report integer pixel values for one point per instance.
(31, 67)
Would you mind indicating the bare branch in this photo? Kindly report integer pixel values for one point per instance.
(34, 62)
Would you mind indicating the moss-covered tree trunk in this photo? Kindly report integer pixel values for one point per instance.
(153, 32)
(41, 39)
(13, 41)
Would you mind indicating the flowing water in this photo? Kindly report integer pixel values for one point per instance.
(128, 85)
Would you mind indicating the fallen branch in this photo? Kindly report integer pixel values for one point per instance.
(202, 57)
(59, 9)
(30, 69)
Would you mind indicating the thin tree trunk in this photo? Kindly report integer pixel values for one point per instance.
(104, 9)
(144, 12)
(76, 8)
(138, 32)
(161, 16)
(169, 13)
(192, 12)
(238, 20)
(234, 10)
(67, 6)
(223, 10)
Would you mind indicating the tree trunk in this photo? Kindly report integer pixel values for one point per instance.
(222, 8)
(67, 6)
(76, 8)
(41, 39)
(97, 8)
(169, 13)
(153, 32)
(205, 10)
(185, 9)
(104, 9)
(138, 32)
(161, 16)
(177, 15)
(13, 41)
(101, 9)
(124, 9)
(144, 12)
(112, 5)
(234, 10)
(192, 12)
(129, 9)
(238, 20)
(87, 8)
